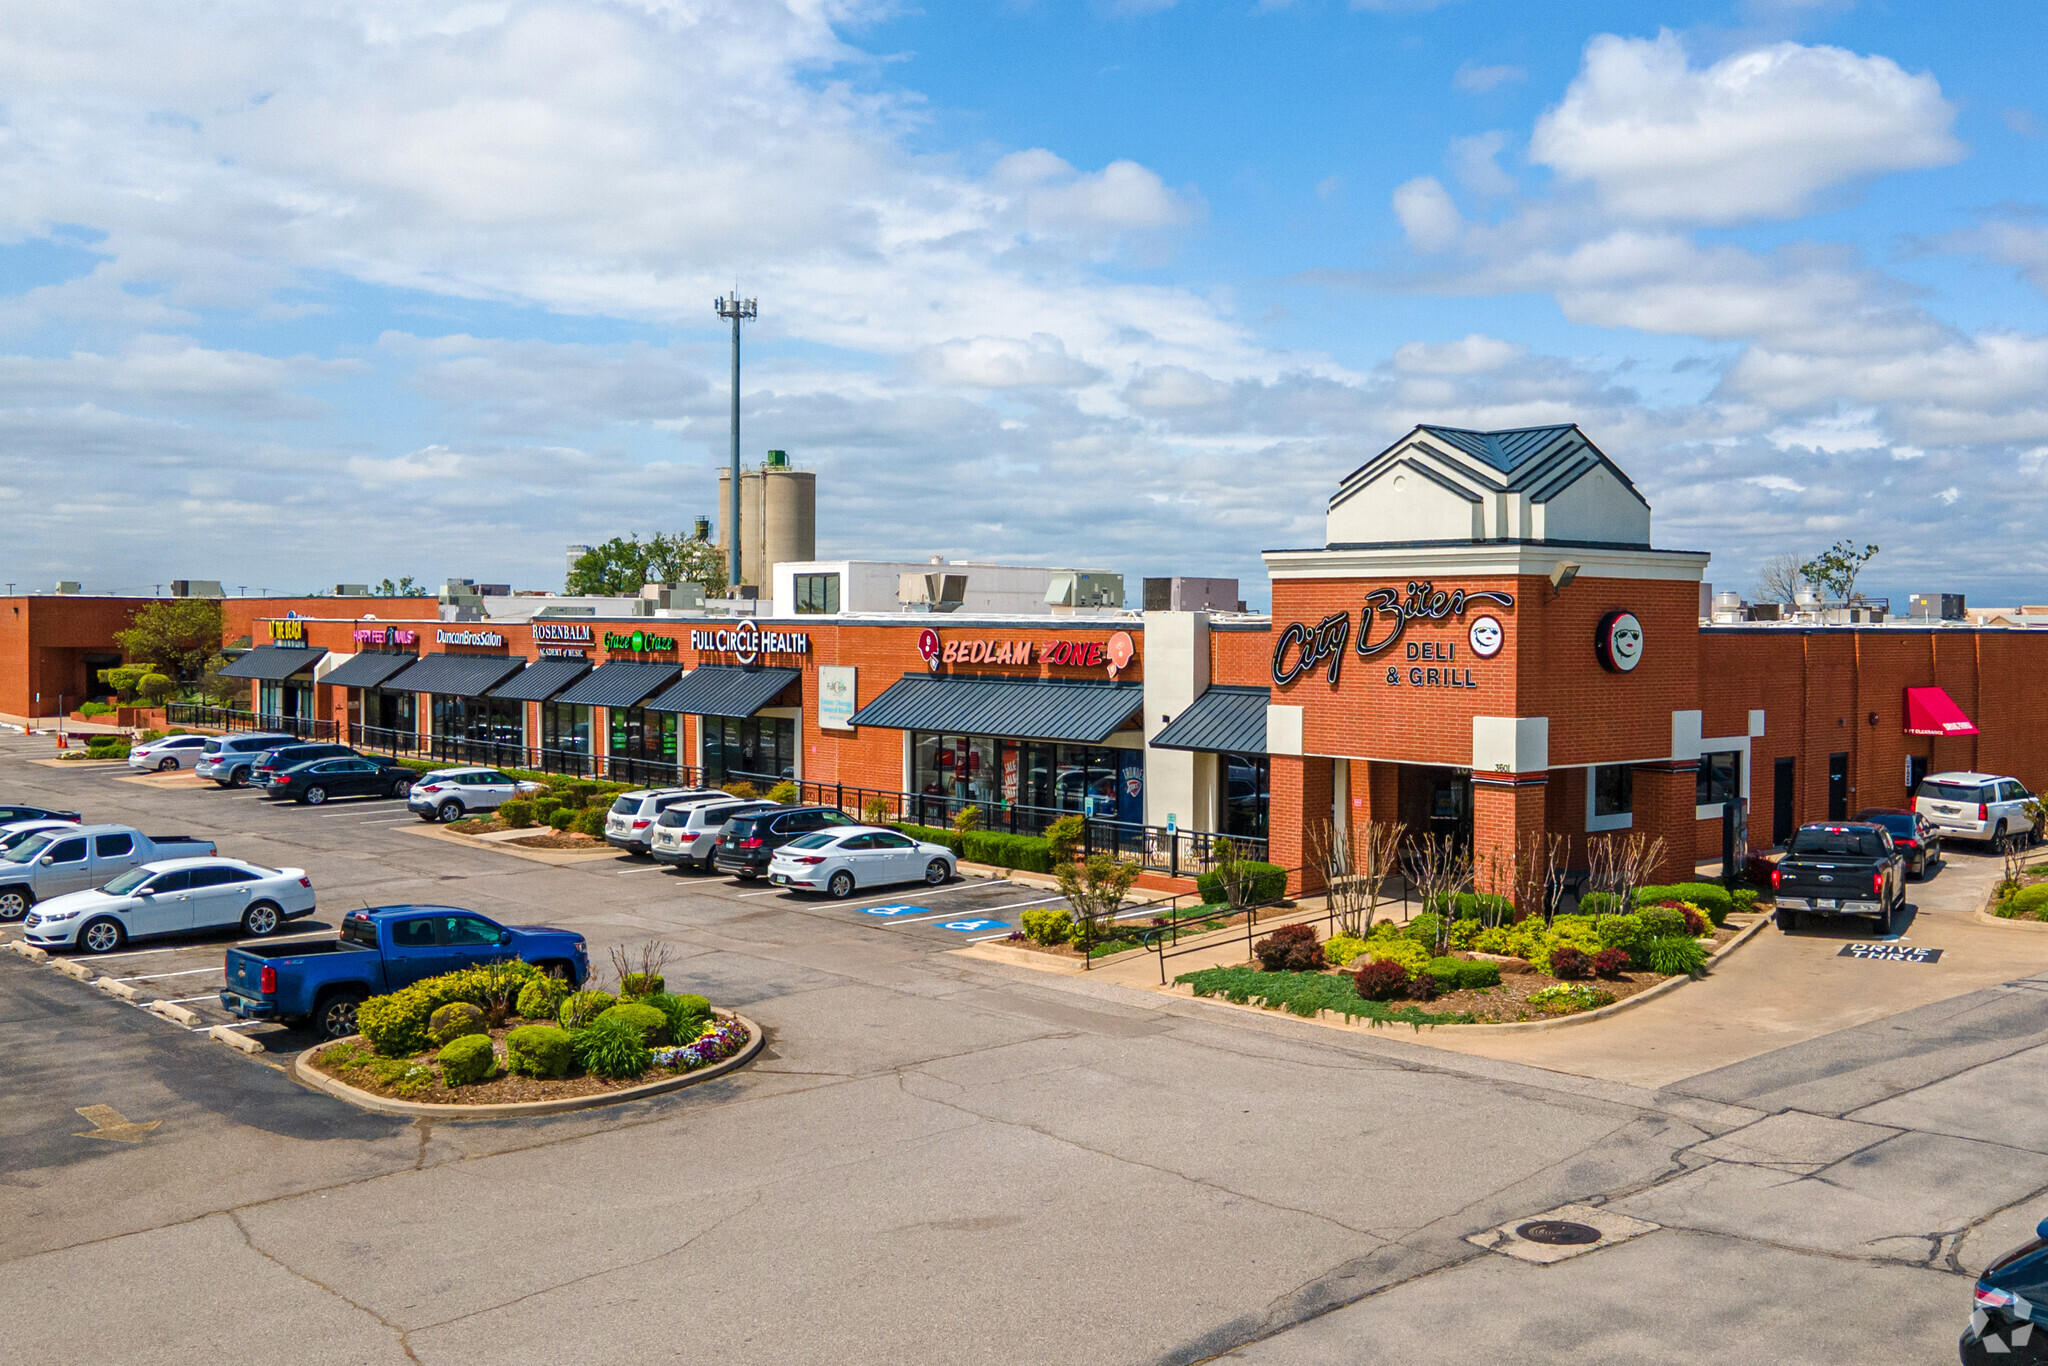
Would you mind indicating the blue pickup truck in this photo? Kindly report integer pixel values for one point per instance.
(382, 949)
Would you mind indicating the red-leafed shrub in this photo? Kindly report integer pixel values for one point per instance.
(1291, 948)
(1608, 963)
(1381, 980)
(1424, 986)
(1695, 923)
(1568, 964)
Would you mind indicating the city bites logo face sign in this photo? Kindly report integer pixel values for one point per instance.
(1619, 642)
(1383, 623)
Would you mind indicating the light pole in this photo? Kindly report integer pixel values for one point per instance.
(739, 310)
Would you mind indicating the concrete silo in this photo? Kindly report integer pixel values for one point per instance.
(778, 518)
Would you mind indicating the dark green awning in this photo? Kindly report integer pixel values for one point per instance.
(1014, 708)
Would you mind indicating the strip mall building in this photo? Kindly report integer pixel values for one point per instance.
(1485, 645)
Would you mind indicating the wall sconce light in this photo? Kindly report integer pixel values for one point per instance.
(1562, 575)
(1873, 718)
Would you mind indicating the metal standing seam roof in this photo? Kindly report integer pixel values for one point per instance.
(542, 679)
(369, 669)
(273, 663)
(723, 690)
(457, 675)
(1504, 450)
(621, 683)
(1224, 720)
(1022, 709)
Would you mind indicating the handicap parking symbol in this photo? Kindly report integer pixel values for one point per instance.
(891, 910)
(970, 926)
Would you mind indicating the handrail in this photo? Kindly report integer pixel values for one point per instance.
(1250, 911)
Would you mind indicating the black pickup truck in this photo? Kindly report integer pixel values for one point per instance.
(1841, 868)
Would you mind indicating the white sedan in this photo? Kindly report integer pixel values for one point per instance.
(173, 896)
(850, 856)
(166, 752)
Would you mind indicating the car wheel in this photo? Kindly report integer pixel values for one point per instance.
(841, 885)
(1998, 839)
(14, 904)
(239, 778)
(101, 936)
(261, 919)
(315, 795)
(937, 872)
(336, 1016)
(402, 788)
(165, 764)
(449, 811)
(1788, 921)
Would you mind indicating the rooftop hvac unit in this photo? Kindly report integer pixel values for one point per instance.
(1936, 607)
(67, 585)
(1075, 588)
(197, 588)
(351, 590)
(931, 592)
(1180, 594)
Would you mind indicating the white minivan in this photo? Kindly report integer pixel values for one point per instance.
(1976, 806)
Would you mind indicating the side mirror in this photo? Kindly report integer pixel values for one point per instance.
(48, 859)
(2041, 1229)
(504, 938)
(145, 891)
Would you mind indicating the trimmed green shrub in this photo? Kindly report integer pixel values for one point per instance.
(540, 1051)
(928, 834)
(585, 1006)
(590, 821)
(1340, 949)
(636, 984)
(396, 1024)
(546, 805)
(1710, 897)
(1477, 974)
(1063, 840)
(613, 1046)
(1406, 952)
(1744, 899)
(1049, 925)
(652, 1024)
(1422, 929)
(1618, 931)
(453, 1021)
(788, 794)
(1599, 903)
(468, 1059)
(1661, 922)
(685, 1014)
(517, 813)
(1028, 852)
(1263, 882)
(1476, 905)
(563, 819)
(1678, 956)
(1445, 970)
(541, 999)
(2028, 902)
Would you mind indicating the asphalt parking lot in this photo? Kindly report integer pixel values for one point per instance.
(937, 1160)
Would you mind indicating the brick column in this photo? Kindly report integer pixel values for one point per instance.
(1302, 789)
(1666, 803)
(1508, 811)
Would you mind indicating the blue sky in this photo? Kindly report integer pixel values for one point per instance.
(292, 295)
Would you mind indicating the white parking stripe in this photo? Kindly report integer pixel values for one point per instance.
(182, 1000)
(152, 976)
(132, 953)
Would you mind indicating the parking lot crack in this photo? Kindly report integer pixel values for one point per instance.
(249, 1239)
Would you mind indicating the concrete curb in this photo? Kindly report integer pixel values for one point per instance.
(76, 971)
(176, 1014)
(303, 1073)
(28, 951)
(114, 988)
(557, 858)
(241, 1043)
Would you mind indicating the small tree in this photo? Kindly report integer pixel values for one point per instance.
(126, 679)
(1438, 869)
(1355, 865)
(404, 588)
(181, 634)
(219, 691)
(1538, 860)
(1621, 864)
(1836, 568)
(622, 565)
(877, 809)
(1778, 580)
(155, 687)
(1095, 889)
(1063, 839)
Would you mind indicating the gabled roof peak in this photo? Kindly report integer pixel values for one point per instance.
(1505, 449)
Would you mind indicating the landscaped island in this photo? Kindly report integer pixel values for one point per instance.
(509, 1033)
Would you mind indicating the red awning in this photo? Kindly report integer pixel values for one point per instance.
(1930, 711)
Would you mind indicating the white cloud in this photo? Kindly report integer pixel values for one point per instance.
(1473, 354)
(1474, 162)
(1427, 214)
(1474, 79)
(1760, 134)
(1004, 363)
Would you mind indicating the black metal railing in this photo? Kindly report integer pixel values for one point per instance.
(233, 719)
(1164, 940)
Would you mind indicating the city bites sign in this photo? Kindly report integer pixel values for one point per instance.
(1383, 622)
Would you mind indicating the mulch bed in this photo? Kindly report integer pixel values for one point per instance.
(1135, 927)
(503, 1089)
(559, 839)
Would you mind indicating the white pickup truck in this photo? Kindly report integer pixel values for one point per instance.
(74, 858)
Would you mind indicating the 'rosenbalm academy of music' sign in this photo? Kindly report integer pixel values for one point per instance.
(1382, 624)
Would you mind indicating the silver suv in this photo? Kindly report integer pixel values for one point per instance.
(449, 794)
(685, 835)
(629, 825)
(230, 759)
(1976, 806)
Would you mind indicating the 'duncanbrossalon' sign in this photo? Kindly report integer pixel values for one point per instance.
(1301, 647)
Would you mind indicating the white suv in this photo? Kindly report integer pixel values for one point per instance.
(629, 825)
(685, 834)
(1976, 806)
(448, 794)
(229, 759)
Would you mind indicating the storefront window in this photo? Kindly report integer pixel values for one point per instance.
(637, 733)
(565, 728)
(952, 771)
(481, 729)
(1614, 790)
(816, 593)
(1720, 777)
(289, 698)
(757, 749)
(391, 711)
(1246, 781)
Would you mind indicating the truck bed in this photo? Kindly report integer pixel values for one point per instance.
(303, 949)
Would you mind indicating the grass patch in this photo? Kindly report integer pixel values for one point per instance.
(1305, 993)
(1109, 946)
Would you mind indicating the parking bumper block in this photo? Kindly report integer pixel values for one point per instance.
(28, 951)
(241, 1043)
(114, 988)
(77, 971)
(176, 1014)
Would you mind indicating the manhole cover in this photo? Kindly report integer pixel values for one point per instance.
(1558, 1232)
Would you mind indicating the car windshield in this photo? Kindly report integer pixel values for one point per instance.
(1952, 792)
(29, 849)
(671, 819)
(626, 806)
(10, 838)
(1898, 822)
(818, 841)
(742, 827)
(128, 881)
(1837, 839)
